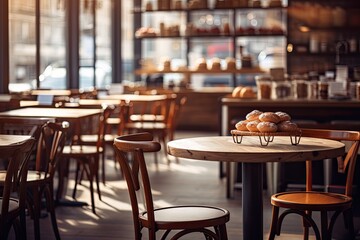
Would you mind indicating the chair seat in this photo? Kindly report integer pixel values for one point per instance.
(146, 125)
(13, 205)
(92, 138)
(147, 118)
(81, 150)
(113, 121)
(313, 201)
(181, 217)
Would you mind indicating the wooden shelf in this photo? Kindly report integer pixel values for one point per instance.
(209, 9)
(191, 71)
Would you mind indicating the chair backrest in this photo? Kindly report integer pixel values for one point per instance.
(16, 172)
(23, 126)
(136, 174)
(50, 146)
(174, 110)
(345, 165)
(124, 114)
(106, 112)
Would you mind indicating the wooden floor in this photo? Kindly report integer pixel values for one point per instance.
(186, 182)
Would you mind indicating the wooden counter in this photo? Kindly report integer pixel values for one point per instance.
(323, 113)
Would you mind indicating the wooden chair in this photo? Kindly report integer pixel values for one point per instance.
(184, 219)
(304, 203)
(119, 121)
(87, 157)
(14, 180)
(23, 126)
(164, 129)
(40, 182)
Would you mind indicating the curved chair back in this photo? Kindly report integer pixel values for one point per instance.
(50, 146)
(346, 165)
(16, 173)
(136, 174)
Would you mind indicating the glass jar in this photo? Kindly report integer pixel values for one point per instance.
(313, 89)
(263, 84)
(281, 89)
(300, 89)
(323, 90)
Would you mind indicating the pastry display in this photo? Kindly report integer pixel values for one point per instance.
(166, 66)
(241, 125)
(253, 115)
(145, 32)
(269, 117)
(247, 92)
(283, 116)
(215, 64)
(287, 126)
(201, 64)
(230, 63)
(267, 127)
(236, 91)
(252, 126)
(267, 122)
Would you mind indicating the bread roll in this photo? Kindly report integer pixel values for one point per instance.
(287, 126)
(283, 116)
(247, 92)
(253, 115)
(269, 117)
(267, 127)
(241, 125)
(252, 126)
(236, 91)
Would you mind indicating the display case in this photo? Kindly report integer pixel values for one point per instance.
(209, 43)
(324, 38)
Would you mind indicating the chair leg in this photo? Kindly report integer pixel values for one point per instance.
(103, 158)
(95, 172)
(223, 232)
(306, 227)
(51, 209)
(37, 209)
(274, 222)
(76, 178)
(324, 226)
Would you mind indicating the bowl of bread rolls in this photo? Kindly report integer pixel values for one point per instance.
(266, 125)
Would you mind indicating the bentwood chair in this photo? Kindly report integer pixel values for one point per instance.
(184, 219)
(88, 156)
(122, 114)
(304, 203)
(14, 177)
(40, 182)
(162, 128)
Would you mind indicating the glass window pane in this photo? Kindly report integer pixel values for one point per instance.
(52, 45)
(22, 44)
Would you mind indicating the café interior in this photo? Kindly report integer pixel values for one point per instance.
(179, 119)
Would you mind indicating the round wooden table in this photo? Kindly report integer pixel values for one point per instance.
(6, 140)
(253, 155)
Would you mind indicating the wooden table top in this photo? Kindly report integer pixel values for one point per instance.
(135, 97)
(6, 140)
(223, 148)
(61, 113)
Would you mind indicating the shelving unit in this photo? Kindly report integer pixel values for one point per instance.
(322, 41)
(230, 39)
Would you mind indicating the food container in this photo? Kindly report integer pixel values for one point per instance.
(263, 84)
(300, 89)
(358, 90)
(281, 89)
(323, 90)
(313, 89)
